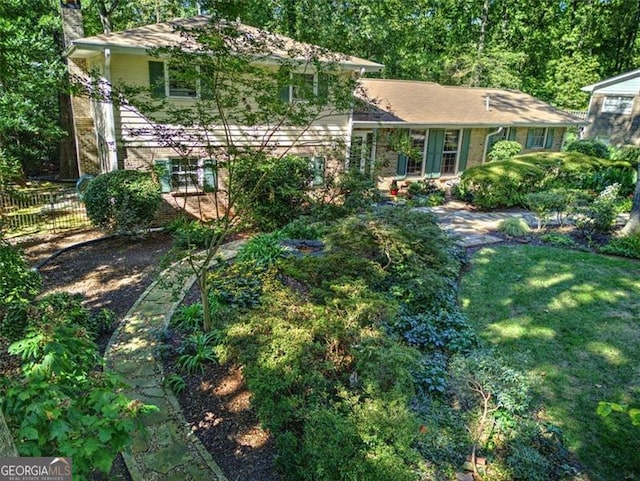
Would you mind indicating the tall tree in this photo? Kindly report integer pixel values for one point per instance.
(31, 73)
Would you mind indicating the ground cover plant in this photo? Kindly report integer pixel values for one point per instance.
(569, 320)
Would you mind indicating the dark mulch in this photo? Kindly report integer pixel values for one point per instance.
(217, 406)
(112, 274)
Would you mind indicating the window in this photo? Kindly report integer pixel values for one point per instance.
(536, 138)
(415, 161)
(317, 165)
(450, 152)
(186, 175)
(362, 153)
(305, 86)
(617, 105)
(182, 82)
(168, 80)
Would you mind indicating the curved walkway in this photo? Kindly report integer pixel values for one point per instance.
(165, 449)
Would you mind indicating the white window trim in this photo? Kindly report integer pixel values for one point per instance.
(167, 88)
(423, 165)
(457, 151)
(615, 109)
(367, 153)
(198, 167)
(291, 87)
(544, 138)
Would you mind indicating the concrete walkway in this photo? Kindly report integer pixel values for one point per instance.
(166, 449)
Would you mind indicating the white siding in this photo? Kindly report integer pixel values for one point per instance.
(627, 87)
(135, 130)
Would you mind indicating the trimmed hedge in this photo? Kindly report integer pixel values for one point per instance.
(124, 201)
(506, 183)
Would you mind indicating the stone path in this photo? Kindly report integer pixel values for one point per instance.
(473, 228)
(165, 449)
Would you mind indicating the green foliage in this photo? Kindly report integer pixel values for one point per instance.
(504, 150)
(176, 383)
(271, 192)
(605, 408)
(599, 215)
(18, 286)
(558, 201)
(60, 404)
(263, 249)
(357, 191)
(189, 234)
(626, 246)
(303, 228)
(124, 201)
(559, 240)
(484, 372)
(197, 350)
(507, 183)
(514, 227)
(626, 153)
(32, 76)
(334, 351)
(592, 148)
(188, 318)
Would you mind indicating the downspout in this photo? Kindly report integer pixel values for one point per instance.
(486, 143)
(110, 127)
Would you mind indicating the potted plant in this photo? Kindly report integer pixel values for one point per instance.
(393, 188)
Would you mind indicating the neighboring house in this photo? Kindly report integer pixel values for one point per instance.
(118, 137)
(451, 128)
(614, 110)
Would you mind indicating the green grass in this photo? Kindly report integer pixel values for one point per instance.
(571, 321)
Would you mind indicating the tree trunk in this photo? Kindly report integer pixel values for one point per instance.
(484, 19)
(633, 225)
(68, 150)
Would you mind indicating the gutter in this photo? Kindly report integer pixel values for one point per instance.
(486, 143)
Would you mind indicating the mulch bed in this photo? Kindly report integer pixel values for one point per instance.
(112, 274)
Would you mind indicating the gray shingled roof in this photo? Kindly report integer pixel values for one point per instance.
(428, 103)
(167, 34)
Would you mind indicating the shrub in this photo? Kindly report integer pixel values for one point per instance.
(124, 201)
(559, 240)
(506, 183)
(514, 227)
(18, 286)
(599, 215)
(192, 233)
(504, 150)
(626, 153)
(545, 202)
(627, 246)
(263, 249)
(500, 184)
(60, 404)
(357, 190)
(271, 192)
(592, 148)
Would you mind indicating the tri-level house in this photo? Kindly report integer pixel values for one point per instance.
(614, 110)
(448, 128)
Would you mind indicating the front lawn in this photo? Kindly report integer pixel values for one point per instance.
(571, 321)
